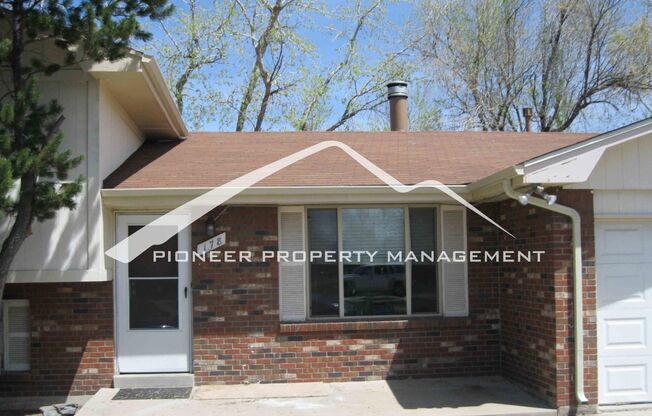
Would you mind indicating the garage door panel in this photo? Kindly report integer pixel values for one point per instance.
(624, 291)
(627, 242)
(625, 283)
(626, 333)
(619, 239)
(625, 380)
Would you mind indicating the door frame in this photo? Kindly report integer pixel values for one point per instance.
(185, 235)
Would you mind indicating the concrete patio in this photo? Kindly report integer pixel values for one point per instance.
(481, 396)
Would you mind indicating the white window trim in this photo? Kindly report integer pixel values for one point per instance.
(5, 334)
(408, 265)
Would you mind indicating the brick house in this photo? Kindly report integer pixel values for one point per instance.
(75, 320)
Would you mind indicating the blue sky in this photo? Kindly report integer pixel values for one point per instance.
(399, 18)
(321, 34)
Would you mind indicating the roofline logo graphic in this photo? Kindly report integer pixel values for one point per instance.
(163, 228)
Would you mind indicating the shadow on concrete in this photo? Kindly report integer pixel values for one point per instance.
(461, 392)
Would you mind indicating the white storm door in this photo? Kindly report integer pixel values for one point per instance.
(624, 285)
(153, 305)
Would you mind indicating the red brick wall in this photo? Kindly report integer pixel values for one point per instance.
(536, 302)
(238, 336)
(582, 201)
(72, 339)
(527, 302)
(520, 321)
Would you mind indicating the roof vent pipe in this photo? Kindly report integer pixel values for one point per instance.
(397, 96)
(527, 114)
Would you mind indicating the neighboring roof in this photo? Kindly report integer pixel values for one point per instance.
(207, 160)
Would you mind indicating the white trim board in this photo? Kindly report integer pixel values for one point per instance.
(574, 163)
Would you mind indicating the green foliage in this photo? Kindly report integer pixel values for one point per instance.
(209, 56)
(38, 153)
(195, 41)
(6, 183)
(34, 170)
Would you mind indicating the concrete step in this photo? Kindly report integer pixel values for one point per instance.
(140, 381)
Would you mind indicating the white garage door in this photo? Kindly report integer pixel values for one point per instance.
(624, 279)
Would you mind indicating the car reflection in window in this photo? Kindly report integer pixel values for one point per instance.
(374, 289)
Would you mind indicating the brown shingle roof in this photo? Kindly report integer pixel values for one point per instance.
(212, 159)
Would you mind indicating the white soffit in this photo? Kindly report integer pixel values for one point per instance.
(575, 169)
(575, 163)
(137, 84)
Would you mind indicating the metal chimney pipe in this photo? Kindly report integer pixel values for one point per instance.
(527, 113)
(398, 114)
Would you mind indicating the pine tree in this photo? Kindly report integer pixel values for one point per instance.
(34, 181)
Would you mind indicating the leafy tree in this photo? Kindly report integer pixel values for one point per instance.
(33, 170)
(591, 52)
(223, 59)
(252, 64)
(354, 79)
(267, 30)
(560, 57)
(195, 43)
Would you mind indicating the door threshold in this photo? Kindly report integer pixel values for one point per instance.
(156, 380)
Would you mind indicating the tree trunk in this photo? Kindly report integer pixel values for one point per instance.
(23, 221)
(263, 107)
(246, 99)
(180, 85)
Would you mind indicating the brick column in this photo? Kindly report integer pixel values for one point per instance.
(537, 300)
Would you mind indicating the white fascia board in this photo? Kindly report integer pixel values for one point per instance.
(575, 163)
(494, 178)
(489, 188)
(166, 198)
(163, 96)
(274, 190)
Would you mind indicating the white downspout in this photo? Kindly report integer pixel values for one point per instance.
(577, 281)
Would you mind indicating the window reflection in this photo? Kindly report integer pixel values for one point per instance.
(373, 282)
(324, 276)
(374, 289)
(374, 285)
(423, 238)
(145, 266)
(153, 304)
